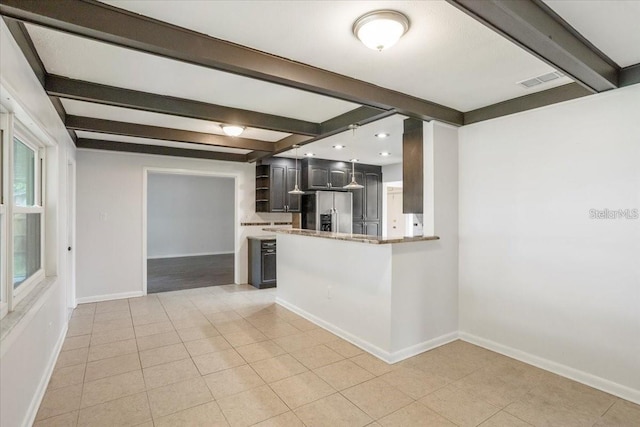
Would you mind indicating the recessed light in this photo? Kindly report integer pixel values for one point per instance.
(339, 147)
(309, 154)
(232, 130)
(354, 160)
(385, 153)
(382, 135)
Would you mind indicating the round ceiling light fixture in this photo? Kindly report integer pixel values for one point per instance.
(339, 147)
(382, 135)
(309, 154)
(385, 154)
(232, 130)
(381, 29)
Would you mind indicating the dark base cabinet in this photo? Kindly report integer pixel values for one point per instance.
(262, 262)
(368, 228)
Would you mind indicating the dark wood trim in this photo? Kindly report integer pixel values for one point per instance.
(64, 87)
(57, 104)
(630, 75)
(537, 29)
(100, 144)
(527, 102)
(359, 116)
(90, 124)
(122, 28)
(22, 38)
(413, 167)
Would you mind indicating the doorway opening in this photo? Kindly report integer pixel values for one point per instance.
(190, 231)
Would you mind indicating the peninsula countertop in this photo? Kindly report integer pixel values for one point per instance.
(376, 240)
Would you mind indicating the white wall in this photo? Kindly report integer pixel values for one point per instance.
(189, 215)
(110, 211)
(392, 173)
(29, 351)
(539, 279)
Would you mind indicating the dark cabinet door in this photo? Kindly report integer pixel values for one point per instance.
(372, 228)
(358, 227)
(373, 197)
(358, 198)
(278, 188)
(293, 200)
(269, 266)
(338, 178)
(318, 177)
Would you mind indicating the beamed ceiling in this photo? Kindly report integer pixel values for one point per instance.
(160, 77)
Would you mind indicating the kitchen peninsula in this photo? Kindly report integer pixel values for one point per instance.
(383, 295)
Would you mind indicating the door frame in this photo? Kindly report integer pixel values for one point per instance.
(188, 172)
(71, 263)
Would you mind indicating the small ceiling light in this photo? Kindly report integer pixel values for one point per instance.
(354, 160)
(385, 153)
(309, 154)
(296, 189)
(232, 130)
(381, 29)
(339, 147)
(382, 135)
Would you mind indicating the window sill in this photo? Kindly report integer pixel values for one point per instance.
(25, 308)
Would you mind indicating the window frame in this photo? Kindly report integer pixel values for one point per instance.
(5, 136)
(24, 136)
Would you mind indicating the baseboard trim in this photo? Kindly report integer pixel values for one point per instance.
(44, 381)
(385, 356)
(591, 380)
(98, 298)
(191, 255)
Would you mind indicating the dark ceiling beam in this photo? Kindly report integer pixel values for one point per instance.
(108, 24)
(90, 124)
(630, 75)
(23, 39)
(527, 102)
(537, 29)
(64, 87)
(99, 144)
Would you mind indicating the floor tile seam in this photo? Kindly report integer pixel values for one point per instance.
(513, 415)
(154, 418)
(474, 394)
(362, 409)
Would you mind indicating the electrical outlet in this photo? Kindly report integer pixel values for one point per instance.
(103, 216)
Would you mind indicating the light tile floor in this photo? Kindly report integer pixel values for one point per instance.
(228, 355)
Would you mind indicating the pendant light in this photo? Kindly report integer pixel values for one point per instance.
(296, 190)
(353, 185)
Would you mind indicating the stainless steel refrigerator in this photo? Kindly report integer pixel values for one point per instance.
(328, 211)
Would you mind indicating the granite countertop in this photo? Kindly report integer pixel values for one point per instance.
(376, 240)
(269, 237)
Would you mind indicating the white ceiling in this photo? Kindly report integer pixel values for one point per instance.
(446, 57)
(83, 59)
(613, 26)
(363, 145)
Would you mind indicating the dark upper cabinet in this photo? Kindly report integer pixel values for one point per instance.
(274, 180)
(320, 174)
(278, 187)
(318, 177)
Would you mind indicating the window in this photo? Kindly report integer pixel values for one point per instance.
(21, 212)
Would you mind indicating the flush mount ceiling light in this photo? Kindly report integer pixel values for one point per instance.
(381, 29)
(339, 147)
(354, 160)
(385, 153)
(232, 130)
(309, 154)
(382, 135)
(296, 190)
